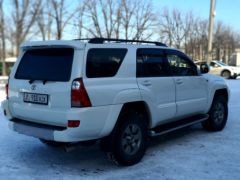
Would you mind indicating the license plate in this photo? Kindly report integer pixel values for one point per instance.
(35, 98)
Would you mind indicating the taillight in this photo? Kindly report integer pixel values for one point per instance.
(6, 90)
(79, 96)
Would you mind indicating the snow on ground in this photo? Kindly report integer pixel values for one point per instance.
(191, 153)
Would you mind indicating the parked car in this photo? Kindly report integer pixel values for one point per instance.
(222, 69)
(112, 91)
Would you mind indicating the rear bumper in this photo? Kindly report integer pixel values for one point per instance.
(31, 129)
(95, 122)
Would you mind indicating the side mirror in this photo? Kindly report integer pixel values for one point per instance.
(204, 68)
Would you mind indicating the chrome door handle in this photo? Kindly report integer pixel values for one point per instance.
(146, 83)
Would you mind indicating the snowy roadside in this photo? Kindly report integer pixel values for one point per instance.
(190, 153)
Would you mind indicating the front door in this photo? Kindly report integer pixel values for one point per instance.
(191, 87)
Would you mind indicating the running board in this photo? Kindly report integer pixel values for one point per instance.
(175, 125)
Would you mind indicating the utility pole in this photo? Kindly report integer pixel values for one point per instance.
(2, 32)
(210, 31)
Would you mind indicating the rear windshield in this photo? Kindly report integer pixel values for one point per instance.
(53, 64)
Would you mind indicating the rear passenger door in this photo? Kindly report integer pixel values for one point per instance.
(156, 84)
(191, 87)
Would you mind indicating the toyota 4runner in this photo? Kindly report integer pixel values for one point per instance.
(120, 92)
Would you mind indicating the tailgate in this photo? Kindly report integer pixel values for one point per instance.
(40, 87)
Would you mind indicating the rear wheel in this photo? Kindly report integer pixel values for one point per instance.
(129, 139)
(217, 115)
(226, 74)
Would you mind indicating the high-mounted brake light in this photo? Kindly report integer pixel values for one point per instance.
(79, 96)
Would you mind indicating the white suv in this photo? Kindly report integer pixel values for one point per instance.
(110, 90)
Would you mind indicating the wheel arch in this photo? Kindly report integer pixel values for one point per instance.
(226, 70)
(222, 92)
(211, 124)
(136, 106)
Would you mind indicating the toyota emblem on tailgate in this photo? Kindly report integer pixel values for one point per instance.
(33, 87)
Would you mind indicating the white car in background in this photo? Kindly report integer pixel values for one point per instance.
(221, 69)
(224, 70)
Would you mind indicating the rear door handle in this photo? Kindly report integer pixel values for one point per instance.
(179, 81)
(146, 83)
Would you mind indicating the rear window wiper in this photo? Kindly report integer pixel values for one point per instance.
(31, 81)
(43, 80)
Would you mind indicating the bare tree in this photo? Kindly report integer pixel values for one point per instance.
(3, 38)
(127, 16)
(184, 31)
(196, 39)
(103, 18)
(80, 20)
(96, 9)
(144, 20)
(24, 15)
(224, 41)
(44, 21)
(61, 16)
(119, 18)
(128, 19)
(174, 27)
(10, 38)
(187, 32)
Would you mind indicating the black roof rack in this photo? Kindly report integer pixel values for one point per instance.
(102, 40)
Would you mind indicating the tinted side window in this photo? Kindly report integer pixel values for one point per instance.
(104, 62)
(151, 63)
(180, 65)
(213, 64)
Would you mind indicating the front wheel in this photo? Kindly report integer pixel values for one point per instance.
(217, 115)
(129, 141)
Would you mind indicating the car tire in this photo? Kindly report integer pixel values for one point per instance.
(217, 115)
(53, 143)
(128, 142)
(234, 77)
(226, 74)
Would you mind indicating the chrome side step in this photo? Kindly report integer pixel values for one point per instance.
(172, 126)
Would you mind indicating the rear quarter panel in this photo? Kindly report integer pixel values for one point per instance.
(119, 89)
